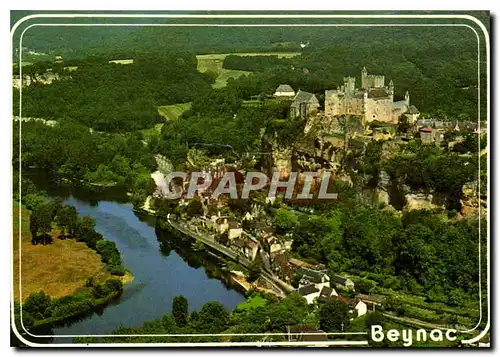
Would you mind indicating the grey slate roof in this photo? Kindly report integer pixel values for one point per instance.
(377, 93)
(325, 293)
(285, 88)
(304, 97)
(313, 275)
(308, 289)
(412, 110)
(339, 279)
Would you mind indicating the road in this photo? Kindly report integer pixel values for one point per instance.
(281, 287)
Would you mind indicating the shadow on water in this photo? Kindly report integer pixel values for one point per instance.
(163, 262)
(215, 266)
(88, 194)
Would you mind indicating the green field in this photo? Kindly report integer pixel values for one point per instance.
(221, 56)
(225, 74)
(123, 61)
(148, 133)
(174, 111)
(206, 64)
(213, 63)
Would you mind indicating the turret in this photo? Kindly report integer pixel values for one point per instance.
(365, 106)
(364, 76)
(391, 89)
(349, 85)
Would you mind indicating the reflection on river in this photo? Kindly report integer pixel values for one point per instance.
(163, 267)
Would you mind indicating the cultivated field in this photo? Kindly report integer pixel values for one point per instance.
(221, 56)
(58, 268)
(213, 63)
(123, 61)
(174, 111)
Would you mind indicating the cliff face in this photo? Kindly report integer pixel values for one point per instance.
(474, 200)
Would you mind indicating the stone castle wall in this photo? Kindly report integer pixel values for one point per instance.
(380, 110)
(372, 81)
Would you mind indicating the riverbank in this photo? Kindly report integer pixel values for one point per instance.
(160, 272)
(58, 268)
(61, 278)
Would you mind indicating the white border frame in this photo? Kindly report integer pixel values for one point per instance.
(243, 16)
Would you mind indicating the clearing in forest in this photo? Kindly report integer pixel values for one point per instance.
(213, 63)
(174, 111)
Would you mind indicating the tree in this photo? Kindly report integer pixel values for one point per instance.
(285, 221)
(84, 229)
(33, 201)
(394, 304)
(180, 310)
(212, 318)
(41, 224)
(37, 304)
(194, 208)
(403, 124)
(333, 316)
(66, 219)
(364, 286)
(254, 269)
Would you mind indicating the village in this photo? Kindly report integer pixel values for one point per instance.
(245, 229)
(241, 228)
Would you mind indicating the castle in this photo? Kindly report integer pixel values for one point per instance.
(373, 101)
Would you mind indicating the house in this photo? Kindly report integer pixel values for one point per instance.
(248, 248)
(309, 292)
(326, 294)
(360, 307)
(319, 278)
(371, 301)
(344, 283)
(305, 333)
(427, 135)
(412, 114)
(304, 104)
(284, 90)
(279, 246)
(229, 224)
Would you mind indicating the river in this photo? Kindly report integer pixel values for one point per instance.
(161, 270)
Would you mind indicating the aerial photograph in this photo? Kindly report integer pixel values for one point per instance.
(250, 179)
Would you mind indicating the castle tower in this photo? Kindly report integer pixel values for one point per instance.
(407, 99)
(364, 76)
(391, 90)
(365, 106)
(349, 85)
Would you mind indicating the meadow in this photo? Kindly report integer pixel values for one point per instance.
(59, 268)
(213, 63)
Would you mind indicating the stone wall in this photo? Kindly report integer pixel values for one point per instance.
(380, 110)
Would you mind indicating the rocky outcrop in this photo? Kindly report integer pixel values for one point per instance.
(282, 160)
(474, 202)
(418, 201)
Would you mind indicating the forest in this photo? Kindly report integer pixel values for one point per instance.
(260, 314)
(114, 97)
(69, 151)
(442, 84)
